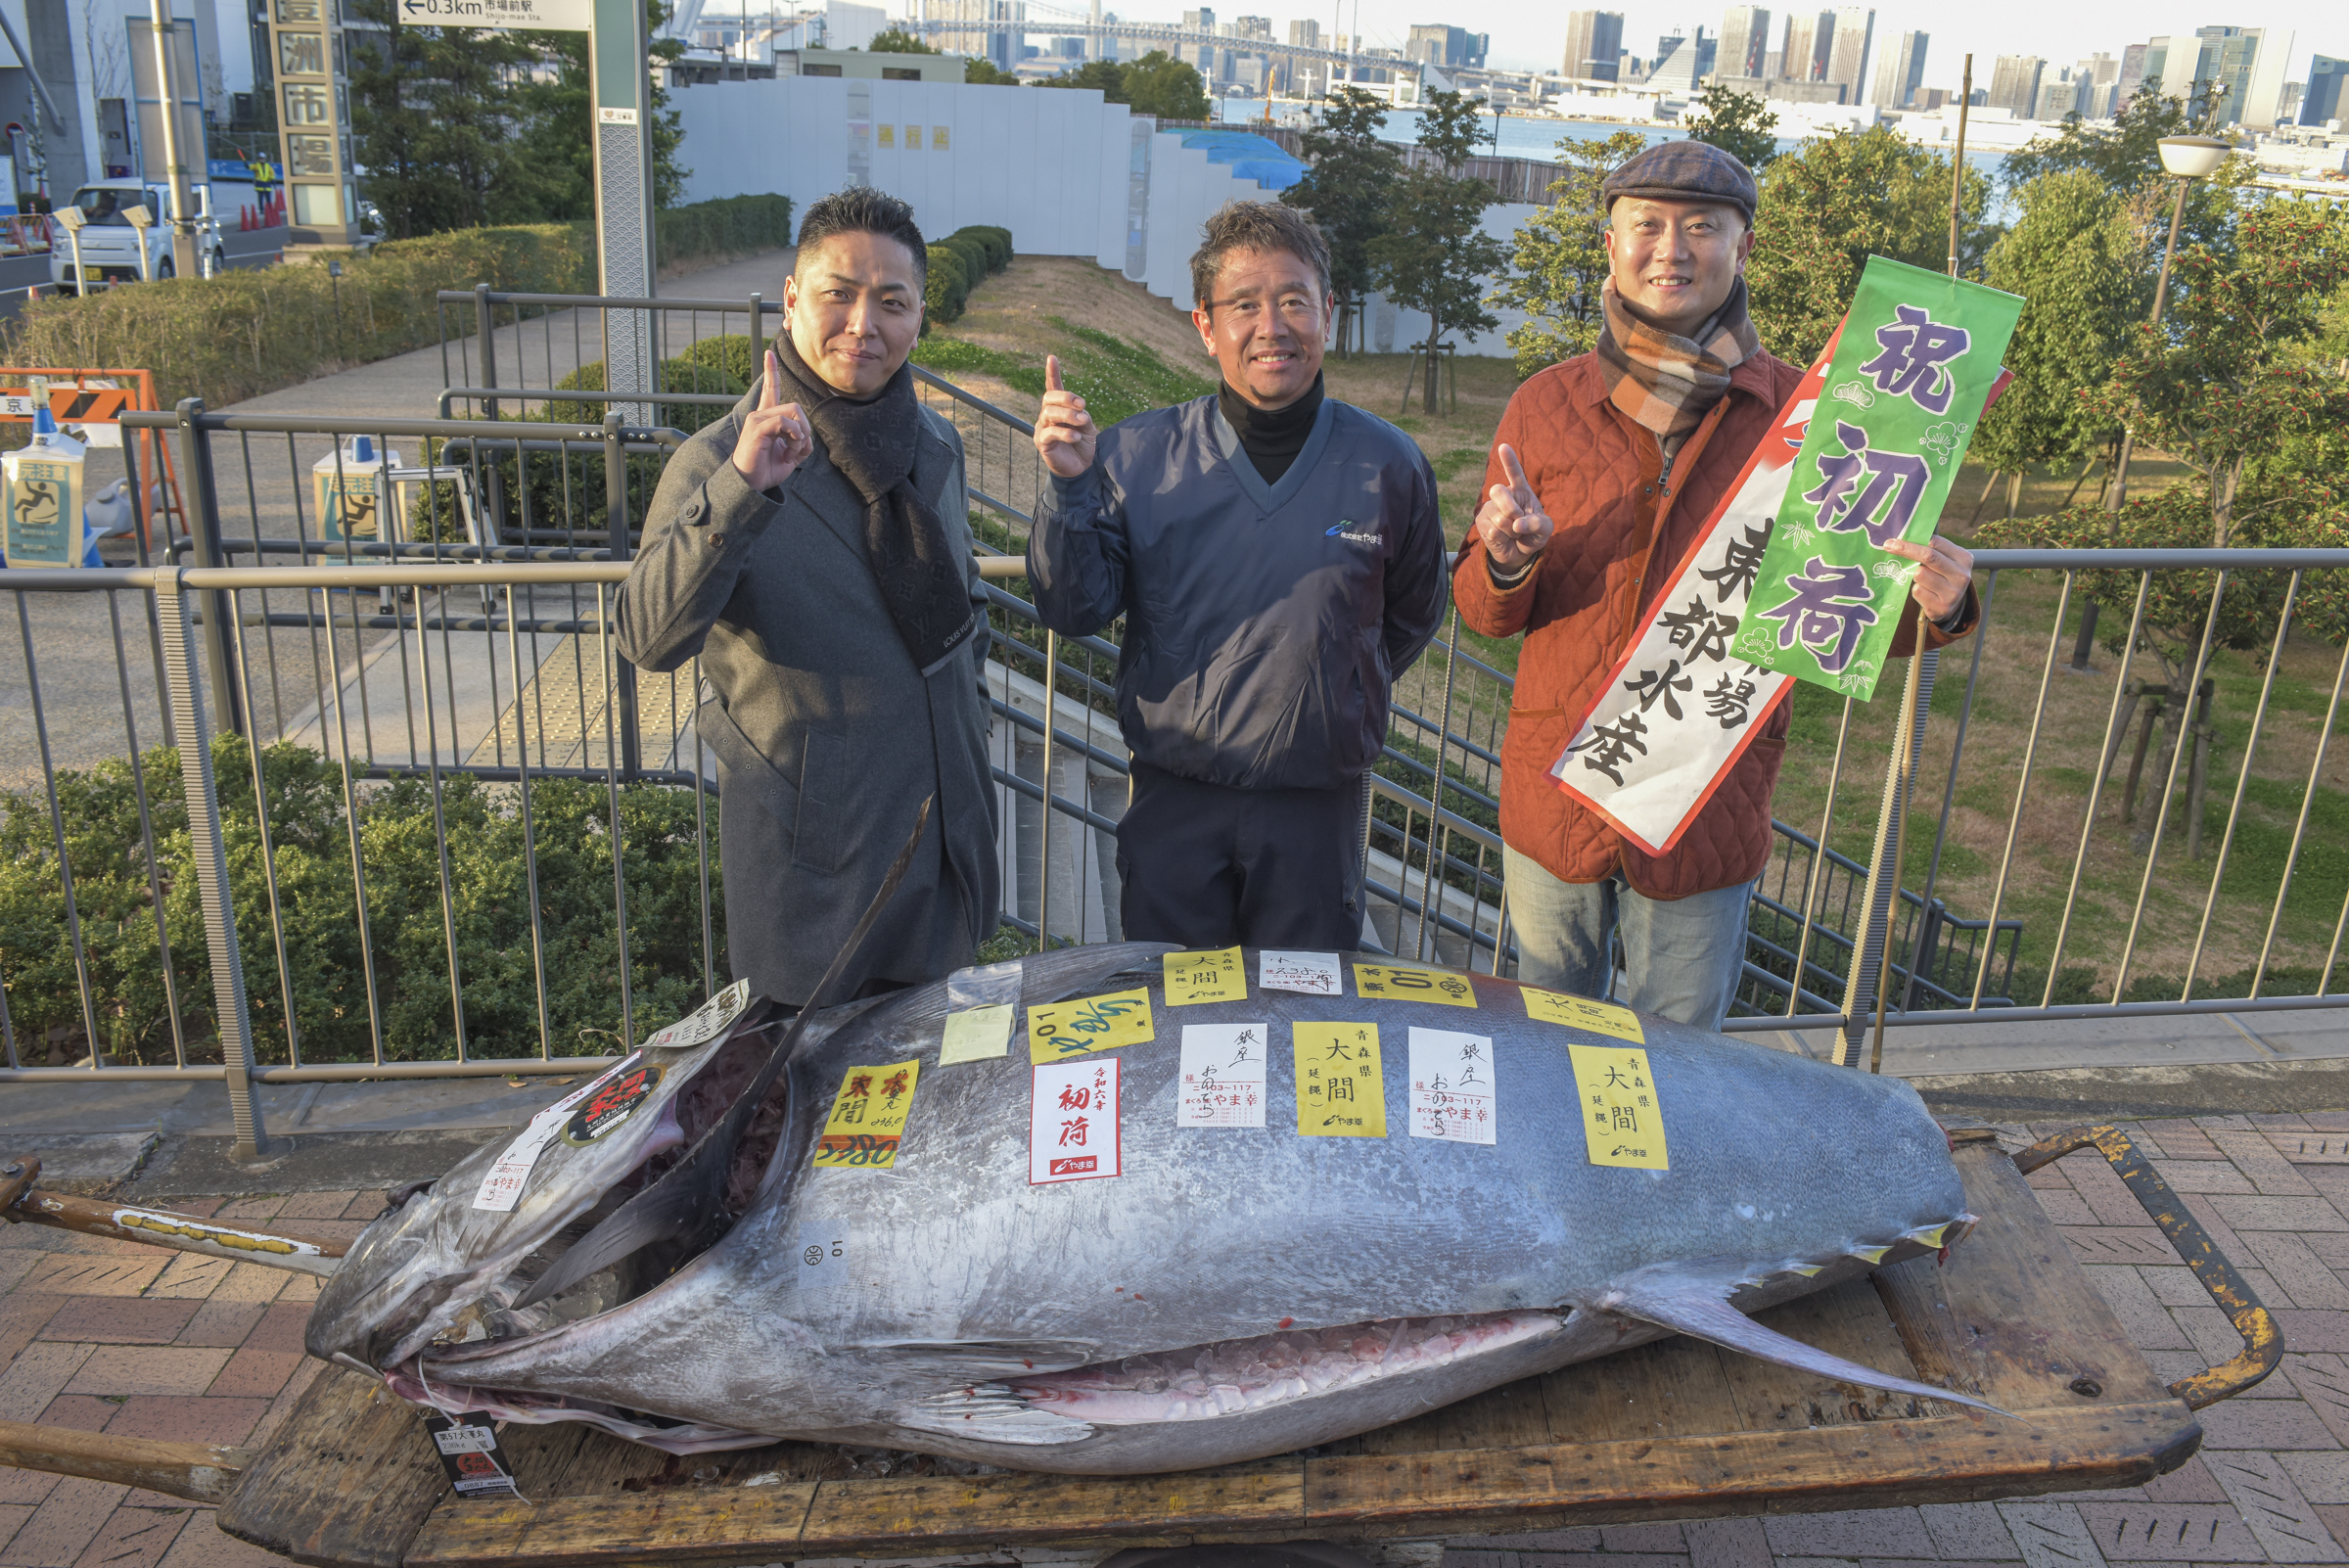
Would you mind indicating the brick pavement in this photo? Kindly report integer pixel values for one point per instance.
(118, 1337)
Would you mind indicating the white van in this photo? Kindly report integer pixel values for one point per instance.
(110, 245)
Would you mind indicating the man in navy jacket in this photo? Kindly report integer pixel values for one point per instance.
(1280, 560)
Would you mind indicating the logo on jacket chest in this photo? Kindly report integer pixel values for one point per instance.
(1356, 534)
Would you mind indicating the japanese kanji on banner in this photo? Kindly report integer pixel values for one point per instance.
(1917, 362)
(1693, 688)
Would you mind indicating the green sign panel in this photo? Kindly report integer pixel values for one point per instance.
(1918, 356)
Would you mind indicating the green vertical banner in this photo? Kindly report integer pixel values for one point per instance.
(1917, 363)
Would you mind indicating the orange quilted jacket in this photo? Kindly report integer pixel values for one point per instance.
(1620, 532)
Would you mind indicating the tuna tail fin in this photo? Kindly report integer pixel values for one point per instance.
(1693, 1306)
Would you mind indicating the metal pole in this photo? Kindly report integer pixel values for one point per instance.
(202, 515)
(212, 870)
(2117, 493)
(1043, 885)
(615, 522)
(1965, 99)
(1883, 894)
(175, 165)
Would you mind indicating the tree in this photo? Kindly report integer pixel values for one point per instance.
(1827, 208)
(1348, 186)
(897, 41)
(2229, 376)
(2079, 262)
(1561, 256)
(431, 118)
(1160, 84)
(1105, 76)
(555, 164)
(1436, 257)
(1738, 123)
(982, 71)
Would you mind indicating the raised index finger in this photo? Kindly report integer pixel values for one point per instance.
(769, 382)
(1052, 373)
(1511, 467)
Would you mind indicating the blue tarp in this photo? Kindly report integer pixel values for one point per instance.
(1249, 155)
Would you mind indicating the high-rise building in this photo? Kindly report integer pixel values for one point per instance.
(1593, 44)
(2059, 96)
(2322, 101)
(1847, 55)
(2239, 69)
(1305, 34)
(1809, 37)
(1437, 43)
(1899, 72)
(1744, 40)
(991, 28)
(1683, 63)
(2014, 84)
(2132, 75)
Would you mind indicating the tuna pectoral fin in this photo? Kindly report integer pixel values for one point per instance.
(1694, 1308)
(988, 1413)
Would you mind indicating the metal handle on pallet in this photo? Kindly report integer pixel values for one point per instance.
(2263, 1341)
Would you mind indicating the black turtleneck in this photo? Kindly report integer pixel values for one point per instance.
(1271, 437)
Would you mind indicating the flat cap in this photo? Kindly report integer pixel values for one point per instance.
(1682, 171)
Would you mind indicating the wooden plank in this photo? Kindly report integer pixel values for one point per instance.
(348, 1481)
(965, 1512)
(201, 1472)
(1870, 1463)
(754, 1524)
(1847, 1320)
(2010, 1316)
(1670, 1388)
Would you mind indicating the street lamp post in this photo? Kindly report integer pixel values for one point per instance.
(70, 220)
(141, 220)
(2188, 158)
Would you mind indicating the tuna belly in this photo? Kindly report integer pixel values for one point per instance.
(1246, 1399)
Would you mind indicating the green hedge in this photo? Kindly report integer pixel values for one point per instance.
(949, 285)
(310, 835)
(249, 331)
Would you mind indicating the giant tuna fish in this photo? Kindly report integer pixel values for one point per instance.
(1230, 1292)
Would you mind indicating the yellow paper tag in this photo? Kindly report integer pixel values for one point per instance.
(976, 1033)
(868, 1116)
(1623, 1118)
(1090, 1023)
(1579, 1012)
(1340, 1092)
(1205, 977)
(1392, 982)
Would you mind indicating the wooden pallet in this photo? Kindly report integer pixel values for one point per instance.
(1673, 1430)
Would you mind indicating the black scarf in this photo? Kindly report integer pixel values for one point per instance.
(872, 442)
(1272, 437)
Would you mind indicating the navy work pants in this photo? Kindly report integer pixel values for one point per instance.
(1207, 866)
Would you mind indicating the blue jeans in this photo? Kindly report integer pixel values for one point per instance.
(1682, 958)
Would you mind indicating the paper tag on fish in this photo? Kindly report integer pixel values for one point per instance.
(1073, 1120)
(615, 1100)
(468, 1446)
(705, 1022)
(1579, 1012)
(1393, 983)
(1060, 1030)
(1623, 1122)
(1452, 1093)
(1313, 973)
(1205, 977)
(977, 1035)
(1341, 1091)
(501, 1188)
(987, 986)
(1222, 1074)
(868, 1116)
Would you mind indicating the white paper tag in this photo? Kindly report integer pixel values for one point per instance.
(466, 1440)
(1073, 1120)
(976, 1033)
(1223, 1076)
(501, 1188)
(1313, 973)
(705, 1022)
(1453, 1094)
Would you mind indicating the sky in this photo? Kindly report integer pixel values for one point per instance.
(1529, 36)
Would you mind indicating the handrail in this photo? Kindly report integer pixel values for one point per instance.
(325, 425)
(2126, 560)
(448, 575)
(615, 301)
(565, 394)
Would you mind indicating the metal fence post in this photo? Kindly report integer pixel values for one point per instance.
(615, 522)
(1883, 898)
(211, 865)
(484, 328)
(200, 503)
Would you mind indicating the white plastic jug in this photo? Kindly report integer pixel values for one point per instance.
(41, 516)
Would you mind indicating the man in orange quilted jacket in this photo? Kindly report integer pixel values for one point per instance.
(1606, 468)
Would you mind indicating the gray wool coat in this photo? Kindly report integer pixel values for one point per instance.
(827, 736)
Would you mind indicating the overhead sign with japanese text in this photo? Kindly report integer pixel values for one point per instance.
(1909, 380)
(561, 16)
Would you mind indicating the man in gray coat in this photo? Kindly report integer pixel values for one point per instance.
(814, 548)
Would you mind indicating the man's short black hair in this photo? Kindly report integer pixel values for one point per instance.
(861, 210)
(1255, 226)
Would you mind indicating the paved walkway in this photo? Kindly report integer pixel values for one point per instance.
(114, 1336)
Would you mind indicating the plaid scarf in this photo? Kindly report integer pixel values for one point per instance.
(1667, 381)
